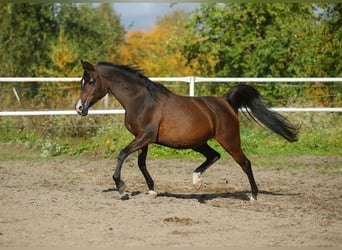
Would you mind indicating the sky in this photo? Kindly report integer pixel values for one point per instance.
(143, 16)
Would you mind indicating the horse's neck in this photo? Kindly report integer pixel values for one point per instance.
(128, 94)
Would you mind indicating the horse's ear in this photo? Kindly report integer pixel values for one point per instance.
(87, 65)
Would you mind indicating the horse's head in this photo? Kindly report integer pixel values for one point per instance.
(92, 89)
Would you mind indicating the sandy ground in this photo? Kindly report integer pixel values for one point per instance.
(72, 202)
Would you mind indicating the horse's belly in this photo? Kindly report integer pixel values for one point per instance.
(184, 133)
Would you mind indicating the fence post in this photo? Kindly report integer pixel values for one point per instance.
(16, 95)
(192, 86)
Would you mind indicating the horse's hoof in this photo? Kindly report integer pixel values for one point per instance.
(122, 188)
(253, 198)
(152, 194)
(198, 184)
(196, 180)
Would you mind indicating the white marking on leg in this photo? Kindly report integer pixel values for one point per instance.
(253, 198)
(196, 180)
(152, 194)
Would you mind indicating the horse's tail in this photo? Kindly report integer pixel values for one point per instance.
(244, 96)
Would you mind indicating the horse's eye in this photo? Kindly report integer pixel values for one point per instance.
(92, 81)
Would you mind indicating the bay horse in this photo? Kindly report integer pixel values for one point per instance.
(154, 114)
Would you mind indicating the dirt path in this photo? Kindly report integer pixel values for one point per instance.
(72, 202)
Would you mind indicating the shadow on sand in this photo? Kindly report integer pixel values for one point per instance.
(203, 198)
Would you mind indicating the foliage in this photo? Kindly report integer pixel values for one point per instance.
(25, 35)
(257, 40)
(86, 32)
(267, 40)
(51, 39)
(331, 45)
(156, 50)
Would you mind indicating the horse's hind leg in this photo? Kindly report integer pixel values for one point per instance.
(233, 147)
(247, 168)
(142, 166)
(211, 156)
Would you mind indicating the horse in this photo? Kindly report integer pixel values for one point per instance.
(154, 114)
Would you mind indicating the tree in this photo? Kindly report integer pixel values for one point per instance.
(255, 39)
(51, 39)
(331, 39)
(261, 40)
(25, 35)
(86, 32)
(157, 50)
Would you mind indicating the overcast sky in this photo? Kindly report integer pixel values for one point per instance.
(143, 15)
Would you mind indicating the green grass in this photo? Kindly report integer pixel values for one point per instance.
(105, 136)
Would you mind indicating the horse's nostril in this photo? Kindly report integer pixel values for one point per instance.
(80, 107)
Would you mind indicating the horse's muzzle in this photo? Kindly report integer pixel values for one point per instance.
(82, 107)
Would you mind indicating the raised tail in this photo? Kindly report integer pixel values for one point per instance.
(244, 96)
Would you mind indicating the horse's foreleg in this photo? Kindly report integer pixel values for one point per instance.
(211, 157)
(120, 185)
(142, 166)
(138, 143)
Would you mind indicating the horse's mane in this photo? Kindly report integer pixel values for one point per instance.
(154, 88)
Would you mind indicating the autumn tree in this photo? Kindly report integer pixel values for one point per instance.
(157, 51)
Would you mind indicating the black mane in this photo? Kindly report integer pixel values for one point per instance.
(154, 88)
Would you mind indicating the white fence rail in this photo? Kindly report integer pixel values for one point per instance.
(191, 80)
